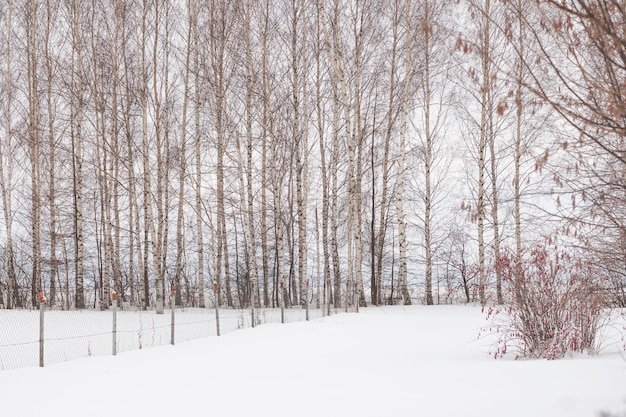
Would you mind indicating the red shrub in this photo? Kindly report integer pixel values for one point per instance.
(557, 307)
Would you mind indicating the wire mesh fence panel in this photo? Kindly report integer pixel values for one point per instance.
(234, 319)
(265, 315)
(194, 323)
(77, 334)
(315, 313)
(142, 329)
(295, 314)
(19, 338)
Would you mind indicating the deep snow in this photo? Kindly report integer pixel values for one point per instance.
(391, 361)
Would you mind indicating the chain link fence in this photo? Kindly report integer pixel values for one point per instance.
(46, 336)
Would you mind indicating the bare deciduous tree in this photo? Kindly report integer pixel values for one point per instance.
(6, 164)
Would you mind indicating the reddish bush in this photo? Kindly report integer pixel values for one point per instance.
(555, 306)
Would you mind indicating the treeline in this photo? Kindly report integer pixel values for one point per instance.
(338, 151)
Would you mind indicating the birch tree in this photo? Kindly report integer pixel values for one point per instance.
(482, 142)
(431, 125)
(483, 44)
(50, 110)
(516, 29)
(391, 117)
(100, 79)
(77, 85)
(193, 22)
(399, 194)
(264, 30)
(298, 28)
(321, 128)
(182, 152)
(250, 87)
(118, 32)
(217, 38)
(427, 26)
(34, 138)
(6, 163)
(349, 108)
(157, 231)
(130, 107)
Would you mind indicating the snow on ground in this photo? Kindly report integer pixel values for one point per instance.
(391, 361)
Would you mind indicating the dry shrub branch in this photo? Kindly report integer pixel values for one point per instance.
(558, 308)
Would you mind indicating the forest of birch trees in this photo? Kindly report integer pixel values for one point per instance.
(327, 151)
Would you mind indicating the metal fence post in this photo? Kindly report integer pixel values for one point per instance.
(282, 301)
(323, 297)
(42, 307)
(252, 301)
(306, 299)
(173, 307)
(114, 338)
(328, 290)
(217, 307)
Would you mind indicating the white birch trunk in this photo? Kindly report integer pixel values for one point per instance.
(249, 215)
(325, 183)
(157, 231)
(198, 156)
(481, 154)
(401, 221)
(34, 150)
(402, 239)
(334, 167)
(182, 159)
(50, 110)
(357, 172)
(6, 171)
(135, 247)
(428, 157)
(300, 146)
(518, 155)
(76, 120)
(148, 226)
(391, 118)
(264, 139)
(115, 178)
(494, 199)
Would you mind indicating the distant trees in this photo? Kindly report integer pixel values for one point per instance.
(148, 144)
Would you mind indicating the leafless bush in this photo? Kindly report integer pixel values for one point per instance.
(557, 308)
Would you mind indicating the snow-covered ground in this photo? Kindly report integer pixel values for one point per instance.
(391, 361)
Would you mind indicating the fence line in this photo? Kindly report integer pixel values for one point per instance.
(45, 336)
